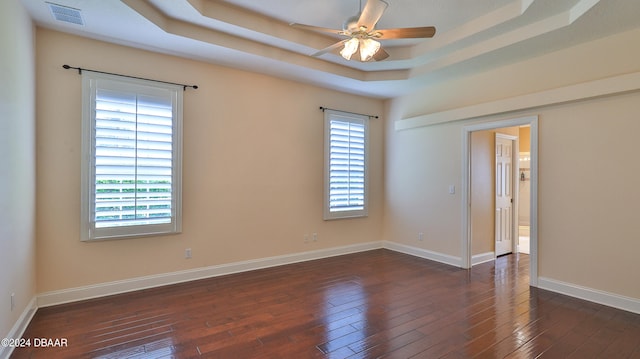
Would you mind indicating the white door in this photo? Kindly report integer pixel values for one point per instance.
(504, 195)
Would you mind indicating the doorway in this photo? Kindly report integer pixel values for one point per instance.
(532, 122)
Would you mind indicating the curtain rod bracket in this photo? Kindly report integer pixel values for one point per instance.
(184, 87)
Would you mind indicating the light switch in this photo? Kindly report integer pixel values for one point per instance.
(452, 189)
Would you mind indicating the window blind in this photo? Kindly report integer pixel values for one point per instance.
(133, 158)
(346, 165)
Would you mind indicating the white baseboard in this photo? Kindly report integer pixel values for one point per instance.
(593, 295)
(423, 253)
(483, 258)
(128, 285)
(21, 325)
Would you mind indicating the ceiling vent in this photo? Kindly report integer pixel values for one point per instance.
(66, 14)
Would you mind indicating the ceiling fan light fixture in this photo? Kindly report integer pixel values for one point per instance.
(368, 48)
(361, 34)
(350, 48)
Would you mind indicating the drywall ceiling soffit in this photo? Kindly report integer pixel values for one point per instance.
(255, 35)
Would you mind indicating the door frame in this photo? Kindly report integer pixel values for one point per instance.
(515, 201)
(532, 121)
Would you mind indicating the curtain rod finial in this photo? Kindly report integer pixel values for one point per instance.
(67, 67)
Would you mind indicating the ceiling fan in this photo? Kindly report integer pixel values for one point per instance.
(361, 33)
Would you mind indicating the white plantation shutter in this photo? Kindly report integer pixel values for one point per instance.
(346, 165)
(132, 179)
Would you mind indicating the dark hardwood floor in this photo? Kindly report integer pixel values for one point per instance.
(366, 305)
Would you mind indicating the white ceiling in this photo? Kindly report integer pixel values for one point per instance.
(472, 35)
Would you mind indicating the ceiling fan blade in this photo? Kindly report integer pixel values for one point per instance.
(317, 28)
(330, 48)
(371, 13)
(380, 55)
(406, 33)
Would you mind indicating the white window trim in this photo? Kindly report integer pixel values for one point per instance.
(346, 117)
(90, 82)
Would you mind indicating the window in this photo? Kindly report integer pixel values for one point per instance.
(131, 157)
(346, 137)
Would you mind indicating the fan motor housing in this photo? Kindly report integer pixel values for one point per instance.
(351, 24)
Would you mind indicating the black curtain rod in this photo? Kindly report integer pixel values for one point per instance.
(353, 113)
(184, 87)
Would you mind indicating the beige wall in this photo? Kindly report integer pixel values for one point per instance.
(252, 177)
(525, 139)
(587, 187)
(17, 158)
(589, 193)
(420, 166)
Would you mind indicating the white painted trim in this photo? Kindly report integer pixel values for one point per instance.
(92, 83)
(533, 204)
(133, 284)
(423, 253)
(579, 92)
(466, 261)
(590, 294)
(466, 200)
(483, 258)
(351, 118)
(21, 325)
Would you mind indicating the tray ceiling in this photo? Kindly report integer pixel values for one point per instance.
(472, 35)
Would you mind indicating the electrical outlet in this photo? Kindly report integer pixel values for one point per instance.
(13, 301)
(306, 238)
(421, 236)
(187, 253)
(315, 237)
